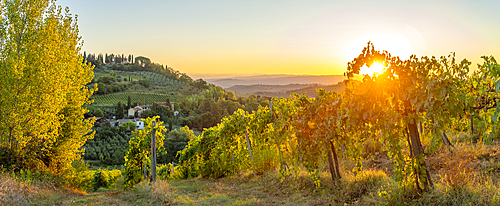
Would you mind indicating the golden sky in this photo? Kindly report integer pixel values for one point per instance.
(284, 37)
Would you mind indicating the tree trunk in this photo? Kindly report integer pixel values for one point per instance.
(407, 135)
(332, 167)
(421, 127)
(332, 147)
(418, 150)
(446, 140)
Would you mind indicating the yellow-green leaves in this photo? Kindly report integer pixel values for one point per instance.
(416, 90)
(42, 85)
(137, 158)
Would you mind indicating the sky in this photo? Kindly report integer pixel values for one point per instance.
(216, 38)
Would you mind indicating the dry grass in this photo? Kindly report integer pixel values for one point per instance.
(465, 175)
(266, 189)
(14, 192)
(468, 174)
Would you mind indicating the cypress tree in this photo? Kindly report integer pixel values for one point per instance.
(129, 102)
(119, 111)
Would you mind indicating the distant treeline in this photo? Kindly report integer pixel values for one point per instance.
(140, 63)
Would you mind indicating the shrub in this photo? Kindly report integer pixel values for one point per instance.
(137, 157)
(79, 176)
(105, 178)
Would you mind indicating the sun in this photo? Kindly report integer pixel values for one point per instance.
(375, 68)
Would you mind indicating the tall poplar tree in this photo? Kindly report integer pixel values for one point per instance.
(42, 87)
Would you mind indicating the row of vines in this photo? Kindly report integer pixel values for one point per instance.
(156, 79)
(114, 98)
(411, 99)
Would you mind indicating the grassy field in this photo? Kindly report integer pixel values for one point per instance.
(466, 174)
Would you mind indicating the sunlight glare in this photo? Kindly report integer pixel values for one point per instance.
(377, 68)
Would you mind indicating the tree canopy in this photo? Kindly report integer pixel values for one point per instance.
(42, 86)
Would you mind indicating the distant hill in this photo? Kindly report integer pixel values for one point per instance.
(278, 79)
(311, 91)
(283, 90)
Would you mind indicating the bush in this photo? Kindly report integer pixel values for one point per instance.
(105, 178)
(79, 176)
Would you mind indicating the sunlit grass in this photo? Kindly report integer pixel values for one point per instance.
(467, 174)
(16, 192)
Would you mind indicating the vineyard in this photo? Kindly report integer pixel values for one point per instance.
(114, 98)
(158, 81)
(432, 121)
(398, 130)
(404, 113)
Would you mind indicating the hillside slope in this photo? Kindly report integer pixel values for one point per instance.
(277, 79)
(283, 90)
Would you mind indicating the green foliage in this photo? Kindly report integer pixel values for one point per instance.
(484, 97)
(176, 140)
(78, 176)
(384, 109)
(110, 143)
(222, 150)
(98, 113)
(131, 125)
(415, 90)
(142, 61)
(137, 158)
(114, 98)
(25, 176)
(169, 171)
(124, 125)
(119, 111)
(105, 178)
(320, 126)
(189, 160)
(145, 82)
(43, 87)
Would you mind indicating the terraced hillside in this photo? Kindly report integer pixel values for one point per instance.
(113, 98)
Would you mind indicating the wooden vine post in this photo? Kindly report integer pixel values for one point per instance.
(336, 160)
(332, 167)
(249, 145)
(471, 125)
(153, 153)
